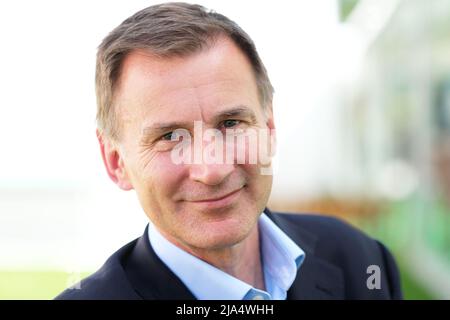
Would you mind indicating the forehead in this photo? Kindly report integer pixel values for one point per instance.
(153, 88)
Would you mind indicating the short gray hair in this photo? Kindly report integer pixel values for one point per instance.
(167, 30)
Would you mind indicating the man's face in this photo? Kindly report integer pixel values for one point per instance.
(206, 206)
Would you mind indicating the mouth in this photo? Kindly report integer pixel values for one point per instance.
(219, 202)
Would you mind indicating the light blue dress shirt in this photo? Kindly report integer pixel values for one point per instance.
(281, 258)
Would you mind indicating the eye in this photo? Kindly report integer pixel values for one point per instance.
(167, 136)
(230, 123)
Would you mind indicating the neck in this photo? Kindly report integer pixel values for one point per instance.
(242, 260)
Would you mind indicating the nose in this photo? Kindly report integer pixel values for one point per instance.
(206, 168)
(210, 174)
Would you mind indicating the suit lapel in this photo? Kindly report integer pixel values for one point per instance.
(150, 277)
(317, 278)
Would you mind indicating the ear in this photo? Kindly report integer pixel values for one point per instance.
(270, 123)
(114, 163)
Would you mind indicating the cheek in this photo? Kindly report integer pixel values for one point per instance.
(164, 175)
(157, 181)
(256, 176)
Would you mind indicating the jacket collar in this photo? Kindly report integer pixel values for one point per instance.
(316, 279)
(150, 277)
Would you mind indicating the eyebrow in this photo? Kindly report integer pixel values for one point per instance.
(240, 111)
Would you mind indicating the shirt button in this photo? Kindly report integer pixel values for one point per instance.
(258, 297)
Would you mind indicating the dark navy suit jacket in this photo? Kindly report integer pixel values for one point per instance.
(335, 266)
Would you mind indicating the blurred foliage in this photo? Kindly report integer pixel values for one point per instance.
(393, 223)
(398, 222)
(35, 285)
(412, 290)
(345, 8)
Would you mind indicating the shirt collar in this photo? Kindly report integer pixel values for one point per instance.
(281, 259)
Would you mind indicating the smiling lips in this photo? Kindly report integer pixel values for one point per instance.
(218, 198)
(218, 202)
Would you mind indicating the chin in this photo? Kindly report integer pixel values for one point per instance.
(221, 234)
